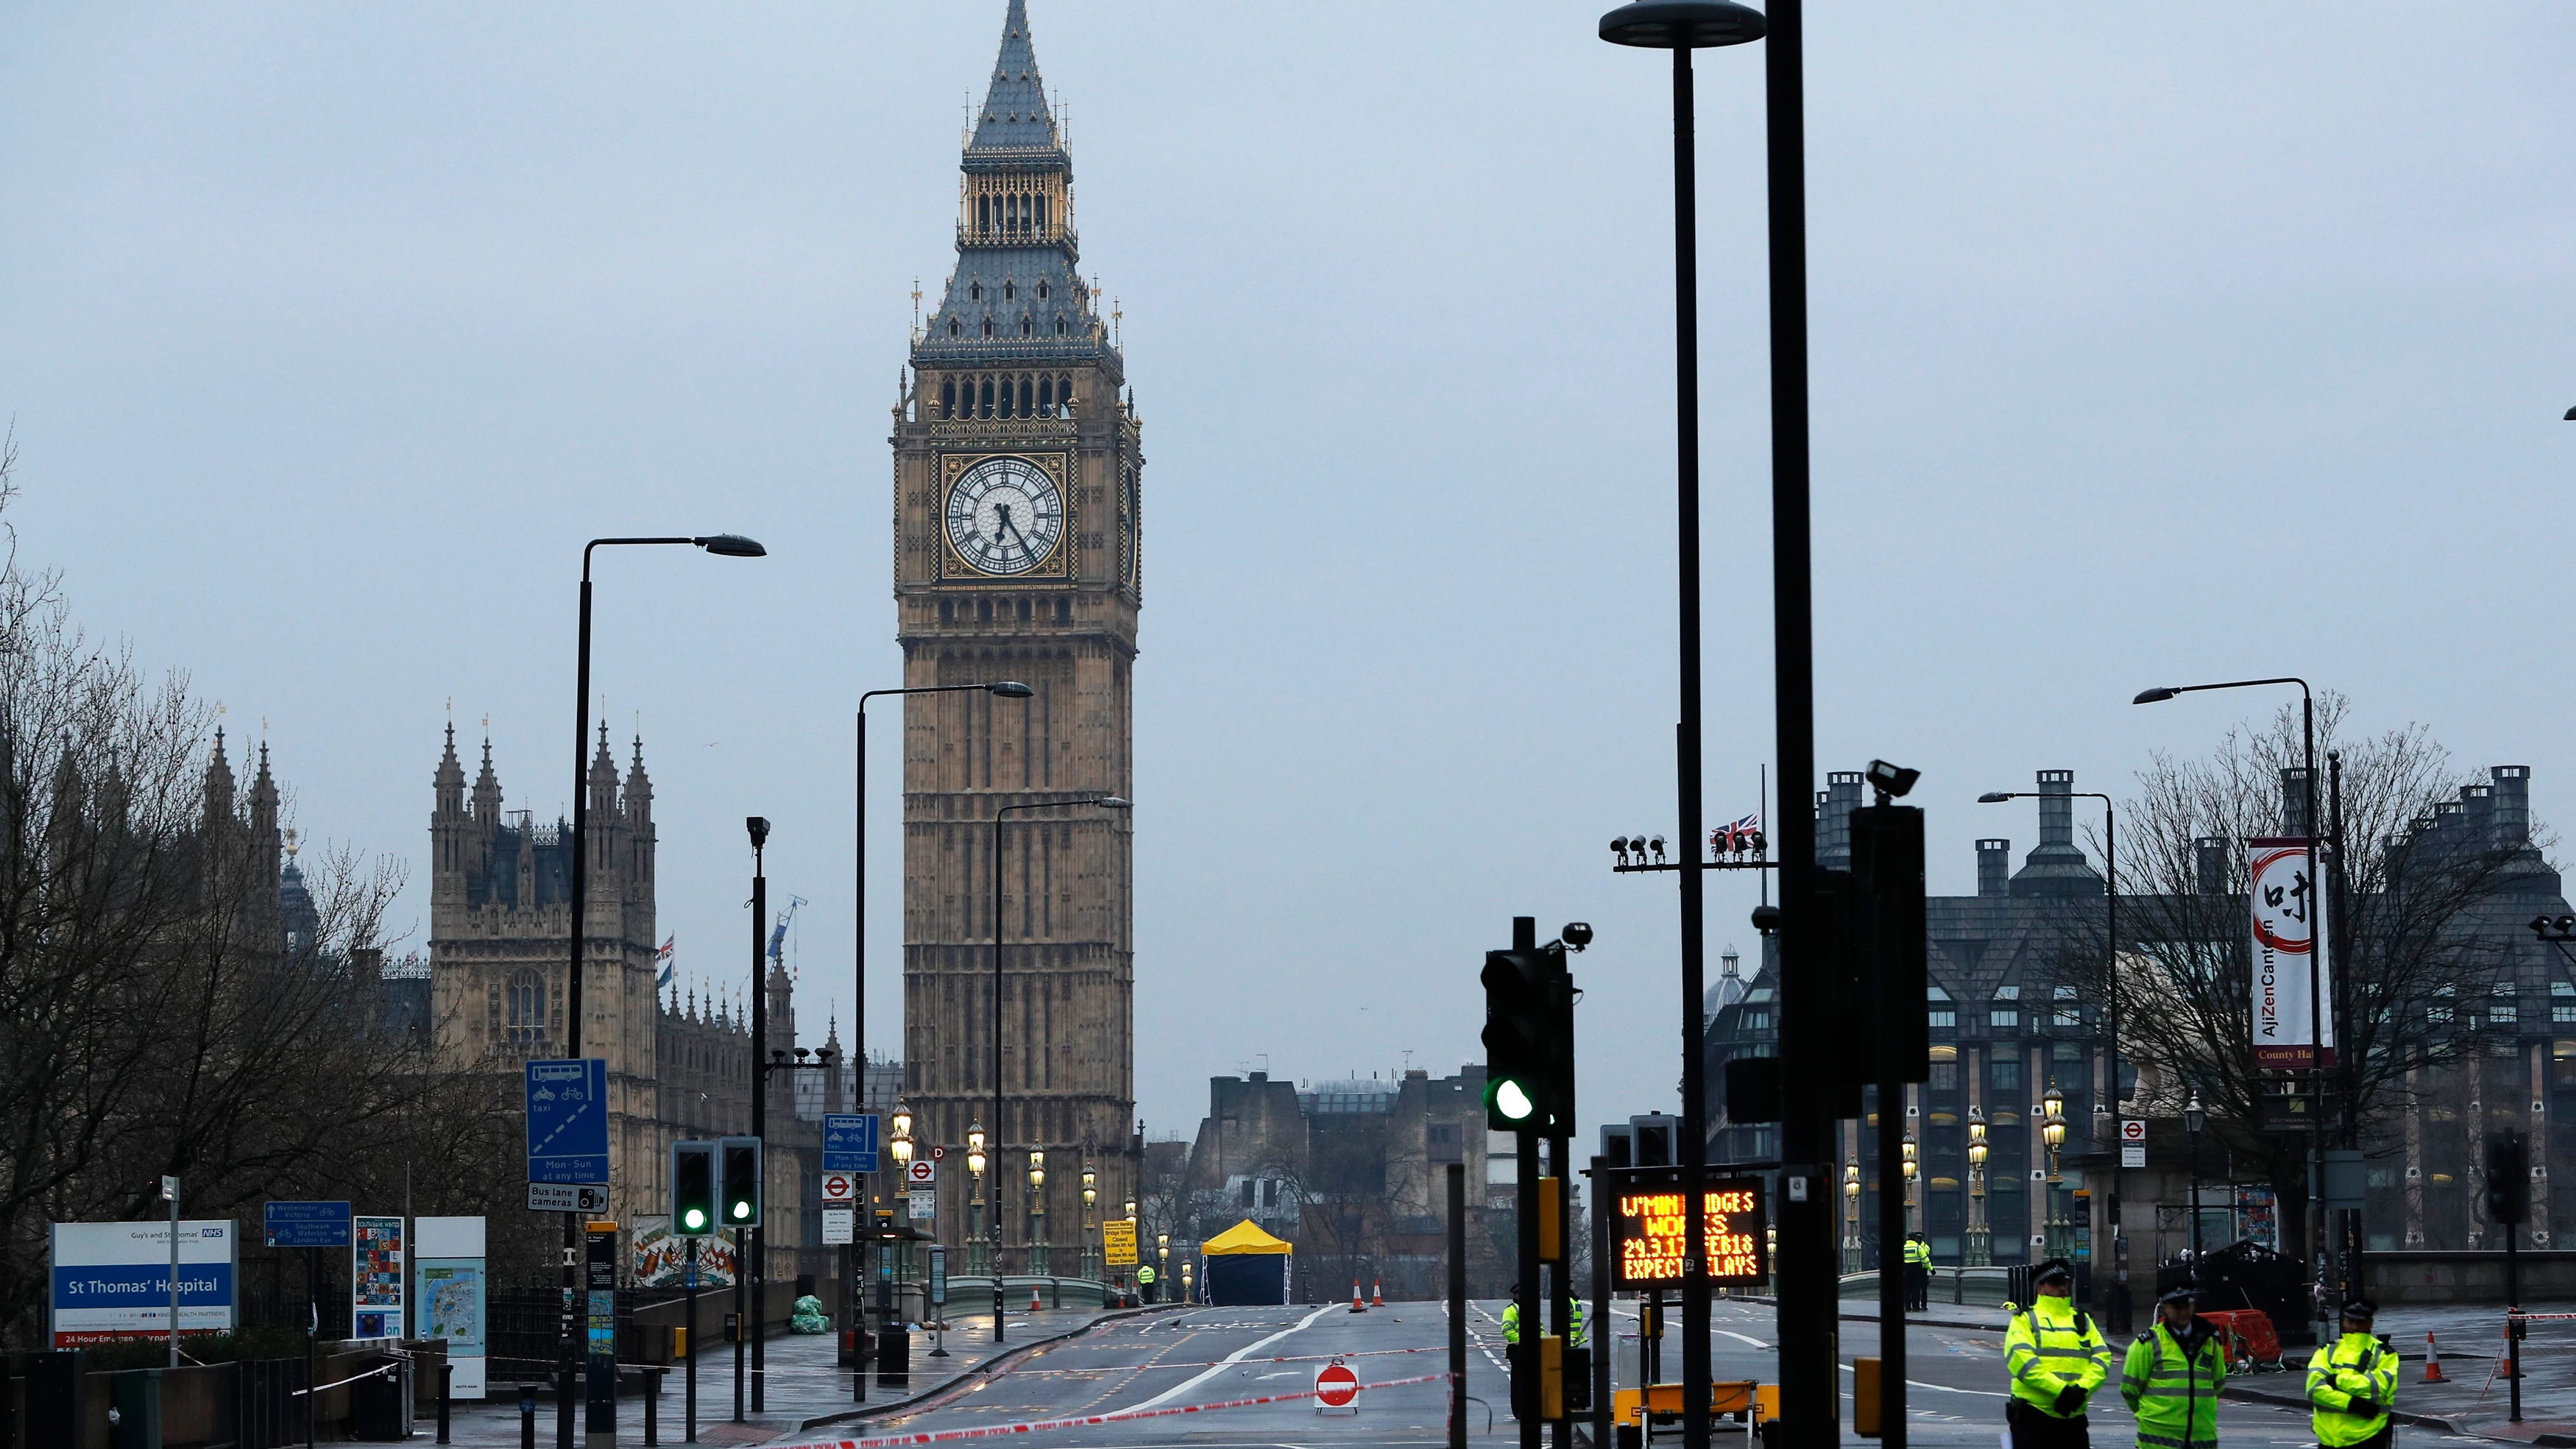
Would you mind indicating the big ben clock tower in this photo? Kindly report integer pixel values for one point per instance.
(1016, 468)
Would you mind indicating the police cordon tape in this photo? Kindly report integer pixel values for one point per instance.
(1084, 1421)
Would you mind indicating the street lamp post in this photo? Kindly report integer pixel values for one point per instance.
(2192, 1118)
(1912, 1166)
(2111, 993)
(1041, 1254)
(2052, 1130)
(1090, 1200)
(1131, 1237)
(975, 1209)
(1001, 689)
(1000, 1124)
(1981, 1239)
(1682, 26)
(2316, 1003)
(1851, 1218)
(900, 1146)
(600, 1422)
(1163, 1261)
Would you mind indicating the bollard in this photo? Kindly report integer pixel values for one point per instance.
(446, 1371)
(652, 1405)
(527, 1416)
(733, 1330)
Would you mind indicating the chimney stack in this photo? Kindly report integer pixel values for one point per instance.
(2210, 855)
(1994, 867)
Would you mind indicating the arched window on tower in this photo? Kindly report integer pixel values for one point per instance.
(983, 213)
(1046, 397)
(1064, 390)
(1042, 290)
(1007, 398)
(954, 329)
(974, 291)
(988, 326)
(986, 409)
(1028, 394)
(1042, 222)
(1028, 327)
(948, 398)
(526, 995)
(1010, 291)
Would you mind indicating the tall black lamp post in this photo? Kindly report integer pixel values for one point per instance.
(1001, 1133)
(600, 1421)
(2318, 944)
(1682, 26)
(2192, 1119)
(1000, 689)
(2119, 1313)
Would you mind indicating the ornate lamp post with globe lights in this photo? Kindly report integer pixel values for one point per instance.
(2052, 1130)
(1090, 1200)
(975, 1206)
(1851, 1217)
(1912, 1166)
(1040, 1257)
(1981, 1239)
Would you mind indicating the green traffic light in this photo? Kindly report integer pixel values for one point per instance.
(696, 1219)
(741, 1209)
(1513, 1100)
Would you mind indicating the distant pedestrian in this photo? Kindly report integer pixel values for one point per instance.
(2055, 1358)
(1918, 1273)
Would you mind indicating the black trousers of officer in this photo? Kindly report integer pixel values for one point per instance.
(2032, 1429)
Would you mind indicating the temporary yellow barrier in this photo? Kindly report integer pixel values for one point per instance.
(1865, 1403)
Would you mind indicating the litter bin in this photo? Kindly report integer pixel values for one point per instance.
(136, 1403)
(380, 1403)
(894, 1356)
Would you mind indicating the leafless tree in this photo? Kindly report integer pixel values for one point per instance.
(2407, 940)
(155, 1015)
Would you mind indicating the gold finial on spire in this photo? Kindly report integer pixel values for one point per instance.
(916, 307)
(290, 844)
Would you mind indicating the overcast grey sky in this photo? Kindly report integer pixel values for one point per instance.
(2152, 344)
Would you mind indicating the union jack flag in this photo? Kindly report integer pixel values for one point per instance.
(664, 957)
(1742, 835)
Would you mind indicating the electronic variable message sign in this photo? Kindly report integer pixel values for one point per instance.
(1650, 1235)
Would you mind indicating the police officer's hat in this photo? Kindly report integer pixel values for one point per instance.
(2052, 1270)
(2361, 1310)
(2184, 1296)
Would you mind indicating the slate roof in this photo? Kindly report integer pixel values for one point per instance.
(1016, 118)
(1000, 282)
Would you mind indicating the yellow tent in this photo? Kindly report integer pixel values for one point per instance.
(1239, 1268)
(1243, 1237)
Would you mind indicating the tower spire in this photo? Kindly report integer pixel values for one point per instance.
(1016, 116)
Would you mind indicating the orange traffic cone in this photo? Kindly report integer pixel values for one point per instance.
(2433, 1361)
(2504, 1364)
(1034, 1305)
(1356, 1305)
(1376, 1299)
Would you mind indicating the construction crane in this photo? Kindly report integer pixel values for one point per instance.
(778, 936)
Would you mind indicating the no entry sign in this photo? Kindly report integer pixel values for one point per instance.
(1336, 1385)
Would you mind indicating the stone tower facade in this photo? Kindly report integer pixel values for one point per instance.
(679, 1066)
(1016, 472)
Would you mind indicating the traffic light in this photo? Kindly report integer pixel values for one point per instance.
(2508, 1181)
(1887, 876)
(1516, 1033)
(693, 1189)
(740, 1204)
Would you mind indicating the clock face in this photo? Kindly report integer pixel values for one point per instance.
(1005, 516)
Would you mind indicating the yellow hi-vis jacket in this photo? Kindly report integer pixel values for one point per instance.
(1512, 1322)
(1917, 1254)
(2356, 1365)
(2174, 1390)
(2050, 1345)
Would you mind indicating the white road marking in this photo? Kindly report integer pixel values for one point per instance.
(1240, 1354)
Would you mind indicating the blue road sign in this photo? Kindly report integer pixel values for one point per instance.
(849, 1142)
(306, 1224)
(568, 1121)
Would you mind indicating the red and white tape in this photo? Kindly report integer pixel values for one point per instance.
(1041, 1426)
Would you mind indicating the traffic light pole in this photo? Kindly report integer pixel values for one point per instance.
(1810, 1403)
(691, 1367)
(1523, 1356)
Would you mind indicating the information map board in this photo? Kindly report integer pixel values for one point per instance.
(1650, 1236)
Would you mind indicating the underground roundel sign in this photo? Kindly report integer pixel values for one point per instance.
(1336, 1385)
